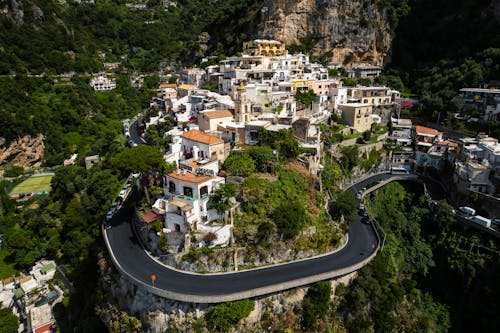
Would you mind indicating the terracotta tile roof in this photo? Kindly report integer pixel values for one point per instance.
(150, 217)
(199, 136)
(427, 130)
(168, 85)
(44, 329)
(217, 114)
(448, 143)
(189, 177)
(187, 86)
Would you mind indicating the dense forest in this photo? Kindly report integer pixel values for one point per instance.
(53, 38)
(431, 275)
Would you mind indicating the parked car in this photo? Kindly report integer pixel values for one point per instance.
(109, 214)
(467, 210)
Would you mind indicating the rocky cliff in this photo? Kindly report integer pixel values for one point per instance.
(26, 152)
(355, 31)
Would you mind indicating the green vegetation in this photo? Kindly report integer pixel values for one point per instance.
(141, 158)
(6, 268)
(239, 165)
(220, 199)
(225, 315)
(9, 323)
(316, 304)
(290, 218)
(15, 171)
(438, 86)
(305, 97)
(154, 133)
(384, 293)
(372, 160)
(471, 27)
(33, 184)
(283, 141)
(69, 37)
(345, 205)
(430, 270)
(73, 118)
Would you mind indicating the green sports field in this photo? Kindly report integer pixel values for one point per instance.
(32, 184)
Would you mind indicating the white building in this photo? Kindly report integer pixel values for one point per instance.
(102, 83)
(196, 144)
(401, 132)
(187, 195)
(473, 177)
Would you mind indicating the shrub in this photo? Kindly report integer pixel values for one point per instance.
(225, 315)
(15, 171)
(316, 304)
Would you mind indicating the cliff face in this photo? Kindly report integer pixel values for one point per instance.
(354, 30)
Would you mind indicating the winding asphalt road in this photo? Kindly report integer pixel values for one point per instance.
(133, 261)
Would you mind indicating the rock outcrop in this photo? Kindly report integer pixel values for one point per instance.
(126, 307)
(26, 152)
(355, 31)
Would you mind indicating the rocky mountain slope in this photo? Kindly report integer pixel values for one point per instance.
(26, 152)
(355, 31)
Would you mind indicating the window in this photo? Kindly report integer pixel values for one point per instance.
(203, 191)
(171, 187)
(188, 191)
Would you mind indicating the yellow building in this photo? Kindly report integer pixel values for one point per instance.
(301, 85)
(264, 47)
(357, 115)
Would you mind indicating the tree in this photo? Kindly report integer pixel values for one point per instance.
(239, 165)
(349, 82)
(283, 141)
(142, 158)
(345, 205)
(305, 97)
(9, 323)
(350, 157)
(290, 218)
(220, 199)
(225, 315)
(262, 155)
(316, 304)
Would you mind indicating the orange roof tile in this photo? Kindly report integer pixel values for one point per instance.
(427, 130)
(448, 143)
(187, 86)
(189, 177)
(199, 136)
(150, 217)
(168, 85)
(217, 114)
(44, 328)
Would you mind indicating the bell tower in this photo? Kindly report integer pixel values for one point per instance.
(242, 106)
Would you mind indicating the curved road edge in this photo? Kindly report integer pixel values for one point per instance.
(243, 294)
(376, 181)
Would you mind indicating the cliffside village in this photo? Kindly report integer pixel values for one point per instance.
(32, 296)
(258, 90)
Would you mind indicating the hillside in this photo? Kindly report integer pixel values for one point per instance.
(38, 36)
(452, 29)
